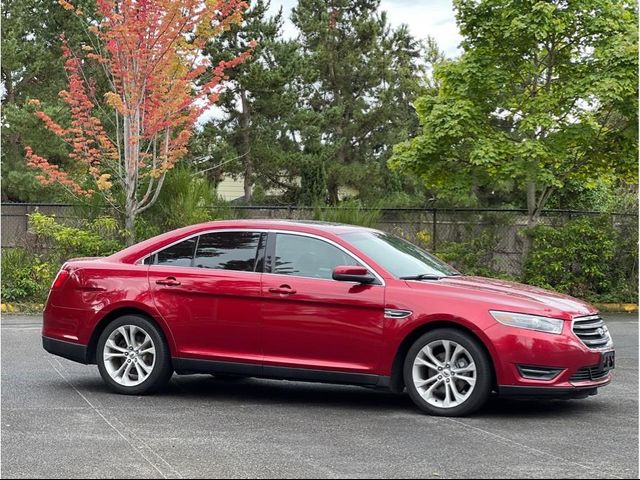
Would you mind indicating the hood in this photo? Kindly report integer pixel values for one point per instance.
(512, 296)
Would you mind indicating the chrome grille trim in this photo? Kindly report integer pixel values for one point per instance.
(587, 325)
(592, 332)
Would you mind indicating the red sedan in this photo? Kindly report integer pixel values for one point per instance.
(320, 302)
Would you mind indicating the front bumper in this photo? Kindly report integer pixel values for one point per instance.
(565, 353)
(548, 392)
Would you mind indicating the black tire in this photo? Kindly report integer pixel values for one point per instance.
(484, 373)
(162, 368)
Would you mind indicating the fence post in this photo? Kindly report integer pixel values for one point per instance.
(435, 230)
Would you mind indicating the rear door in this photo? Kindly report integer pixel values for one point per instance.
(312, 321)
(208, 290)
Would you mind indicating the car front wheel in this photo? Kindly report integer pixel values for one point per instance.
(133, 357)
(447, 373)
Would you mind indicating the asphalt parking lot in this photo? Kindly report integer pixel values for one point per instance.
(59, 420)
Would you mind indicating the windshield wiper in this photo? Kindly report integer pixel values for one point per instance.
(422, 276)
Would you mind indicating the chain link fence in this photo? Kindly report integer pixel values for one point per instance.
(498, 232)
(14, 220)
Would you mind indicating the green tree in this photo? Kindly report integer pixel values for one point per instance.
(544, 94)
(32, 67)
(250, 136)
(360, 78)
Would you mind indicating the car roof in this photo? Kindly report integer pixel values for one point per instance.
(301, 225)
(134, 252)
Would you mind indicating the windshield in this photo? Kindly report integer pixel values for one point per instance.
(397, 256)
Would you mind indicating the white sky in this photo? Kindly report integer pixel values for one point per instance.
(424, 17)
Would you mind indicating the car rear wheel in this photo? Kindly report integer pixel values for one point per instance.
(133, 357)
(448, 373)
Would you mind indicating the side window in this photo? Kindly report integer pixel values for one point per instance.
(228, 251)
(178, 255)
(308, 257)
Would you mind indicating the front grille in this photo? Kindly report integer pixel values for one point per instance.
(592, 331)
(589, 374)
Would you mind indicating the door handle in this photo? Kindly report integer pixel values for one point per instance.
(283, 290)
(169, 281)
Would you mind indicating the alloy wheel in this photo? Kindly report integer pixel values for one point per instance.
(129, 355)
(444, 374)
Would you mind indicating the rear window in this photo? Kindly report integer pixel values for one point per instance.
(178, 255)
(217, 250)
(228, 251)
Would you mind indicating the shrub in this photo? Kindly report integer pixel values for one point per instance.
(350, 212)
(624, 266)
(474, 243)
(185, 199)
(579, 259)
(98, 237)
(145, 229)
(25, 276)
(474, 257)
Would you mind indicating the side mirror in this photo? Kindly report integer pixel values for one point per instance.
(352, 274)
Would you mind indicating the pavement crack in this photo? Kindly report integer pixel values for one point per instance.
(120, 430)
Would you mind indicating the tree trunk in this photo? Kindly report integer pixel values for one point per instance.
(9, 91)
(248, 182)
(130, 226)
(475, 190)
(131, 152)
(245, 120)
(532, 211)
(535, 205)
(332, 189)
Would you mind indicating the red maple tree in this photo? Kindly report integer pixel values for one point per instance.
(151, 54)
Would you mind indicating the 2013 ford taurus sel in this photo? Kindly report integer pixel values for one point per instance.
(320, 302)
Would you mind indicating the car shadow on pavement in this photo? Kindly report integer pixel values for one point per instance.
(198, 388)
(353, 397)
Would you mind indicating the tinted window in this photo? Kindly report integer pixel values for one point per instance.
(308, 257)
(398, 256)
(228, 251)
(179, 255)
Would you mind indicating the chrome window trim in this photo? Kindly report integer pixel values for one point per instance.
(140, 261)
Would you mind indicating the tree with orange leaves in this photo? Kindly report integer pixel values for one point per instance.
(151, 54)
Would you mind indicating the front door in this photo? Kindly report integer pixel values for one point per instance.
(208, 290)
(312, 321)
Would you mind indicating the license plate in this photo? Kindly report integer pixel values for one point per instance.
(608, 361)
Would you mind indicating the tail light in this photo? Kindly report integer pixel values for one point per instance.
(60, 279)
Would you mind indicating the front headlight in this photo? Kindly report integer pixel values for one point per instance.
(530, 322)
